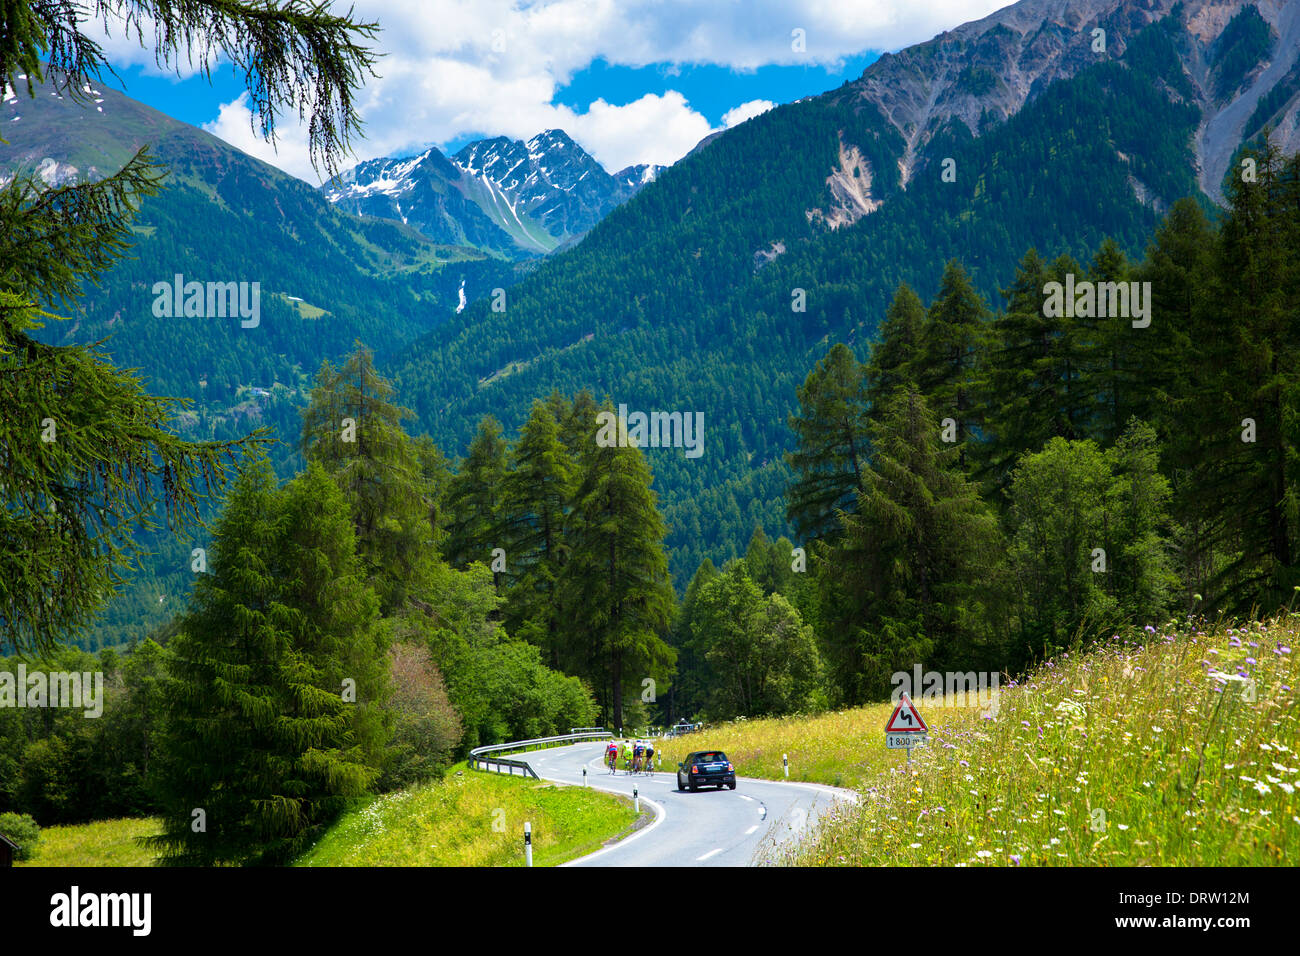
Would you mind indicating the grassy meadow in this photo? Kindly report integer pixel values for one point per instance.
(1172, 746)
(439, 824)
(474, 819)
(102, 843)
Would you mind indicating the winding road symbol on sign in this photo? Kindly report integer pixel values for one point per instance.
(906, 719)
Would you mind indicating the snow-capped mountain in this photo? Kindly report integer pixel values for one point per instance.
(508, 196)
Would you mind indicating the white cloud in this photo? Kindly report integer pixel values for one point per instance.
(458, 67)
(653, 129)
(745, 111)
(236, 124)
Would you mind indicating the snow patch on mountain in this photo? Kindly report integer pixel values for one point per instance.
(512, 196)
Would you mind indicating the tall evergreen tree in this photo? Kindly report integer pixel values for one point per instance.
(474, 498)
(262, 749)
(1244, 487)
(616, 596)
(919, 554)
(1029, 377)
(690, 686)
(353, 428)
(832, 442)
(896, 356)
(535, 501)
(953, 335)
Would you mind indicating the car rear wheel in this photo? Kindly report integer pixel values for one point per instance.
(731, 786)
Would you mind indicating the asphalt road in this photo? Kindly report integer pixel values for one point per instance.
(706, 828)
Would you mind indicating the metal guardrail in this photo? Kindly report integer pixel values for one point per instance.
(482, 758)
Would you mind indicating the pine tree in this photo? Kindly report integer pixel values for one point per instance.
(1246, 490)
(895, 358)
(615, 593)
(690, 686)
(354, 430)
(260, 737)
(919, 552)
(954, 333)
(535, 501)
(832, 442)
(474, 498)
(1026, 376)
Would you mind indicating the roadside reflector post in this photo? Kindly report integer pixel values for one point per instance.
(636, 801)
(785, 764)
(584, 776)
(528, 844)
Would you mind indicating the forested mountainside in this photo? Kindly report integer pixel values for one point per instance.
(717, 288)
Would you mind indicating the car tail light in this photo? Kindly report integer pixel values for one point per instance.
(695, 770)
(730, 769)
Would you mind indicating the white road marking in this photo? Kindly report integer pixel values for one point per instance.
(751, 829)
(709, 854)
(743, 797)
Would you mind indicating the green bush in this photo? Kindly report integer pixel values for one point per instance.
(22, 830)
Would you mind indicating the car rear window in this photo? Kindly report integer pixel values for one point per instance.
(712, 756)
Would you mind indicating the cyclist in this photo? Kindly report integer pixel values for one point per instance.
(611, 757)
(649, 756)
(626, 752)
(638, 756)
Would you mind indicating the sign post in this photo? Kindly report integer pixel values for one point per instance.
(905, 729)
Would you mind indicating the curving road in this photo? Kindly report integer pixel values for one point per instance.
(705, 828)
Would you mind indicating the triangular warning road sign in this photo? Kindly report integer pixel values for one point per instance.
(906, 719)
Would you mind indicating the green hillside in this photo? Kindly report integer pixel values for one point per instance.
(666, 304)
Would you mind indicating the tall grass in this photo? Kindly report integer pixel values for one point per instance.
(844, 749)
(102, 843)
(1171, 747)
(474, 819)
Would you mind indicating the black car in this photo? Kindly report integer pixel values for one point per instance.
(706, 768)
